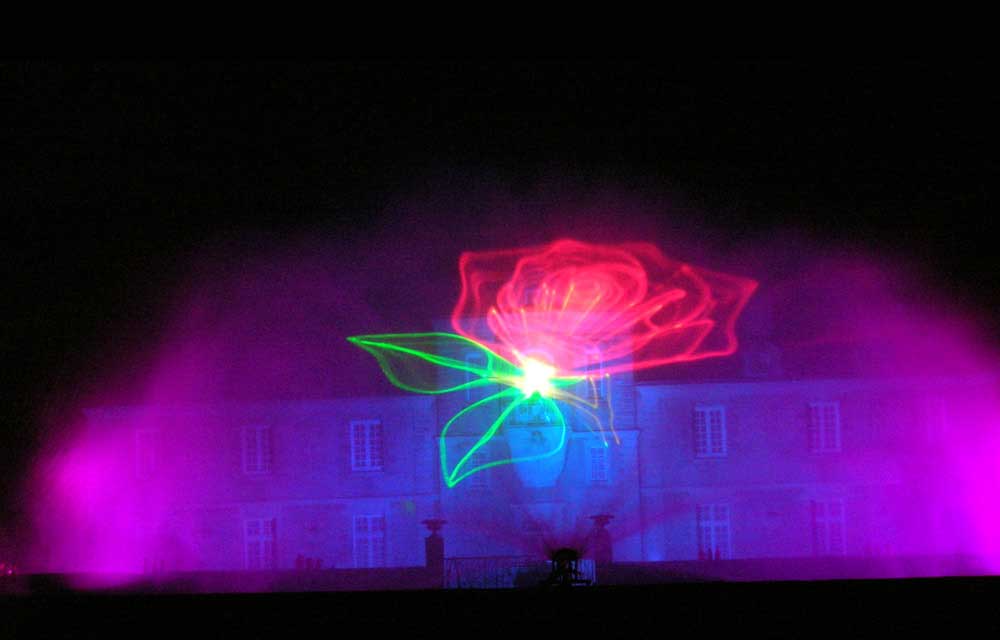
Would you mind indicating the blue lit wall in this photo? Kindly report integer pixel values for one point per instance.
(898, 480)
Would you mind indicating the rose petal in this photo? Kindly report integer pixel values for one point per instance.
(639, 308)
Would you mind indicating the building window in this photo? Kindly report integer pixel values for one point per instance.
(710, 432)
(479, 478)
(146, 452)
(475, 360)
(531, 411)
(713, 532)
(598, 465)
(257, 449)
(597, 382)
(369, 541)
(824, 427)
(367, 452)
(259, 544)
(828, 527)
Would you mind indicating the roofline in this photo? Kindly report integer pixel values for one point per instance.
(841, 382)
(312, 403)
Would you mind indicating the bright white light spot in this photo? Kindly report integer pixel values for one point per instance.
(536, 378)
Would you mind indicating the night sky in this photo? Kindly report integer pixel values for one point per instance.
(117, 177)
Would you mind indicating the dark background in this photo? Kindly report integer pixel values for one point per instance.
(114, 176)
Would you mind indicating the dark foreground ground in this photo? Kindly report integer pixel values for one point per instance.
(846, 608)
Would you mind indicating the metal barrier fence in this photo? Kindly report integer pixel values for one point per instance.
(504, 572)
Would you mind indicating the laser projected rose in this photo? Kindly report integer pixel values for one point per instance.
(540, 323)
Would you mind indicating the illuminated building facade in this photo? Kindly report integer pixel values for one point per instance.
(742, 469)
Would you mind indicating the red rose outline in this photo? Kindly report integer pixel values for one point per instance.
(638, 307)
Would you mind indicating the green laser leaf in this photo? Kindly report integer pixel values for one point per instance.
(470, 431)
(436, 362)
